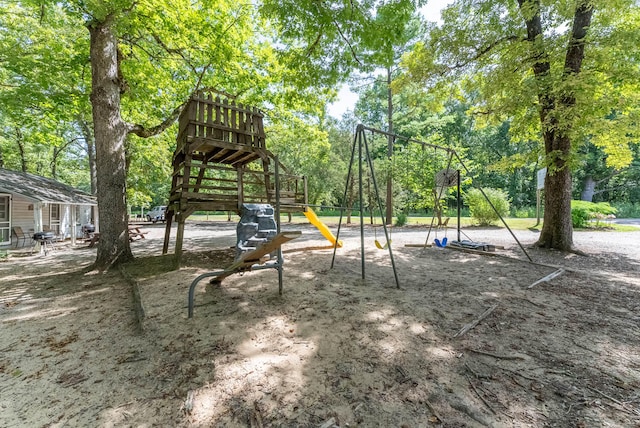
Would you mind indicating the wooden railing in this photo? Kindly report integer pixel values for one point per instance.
(206, 117)
(224, 188)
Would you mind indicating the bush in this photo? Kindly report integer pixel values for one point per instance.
(579, 217)
(524, 212)
(628, 210)
(480, 209)
(584, 211)
(401, 219)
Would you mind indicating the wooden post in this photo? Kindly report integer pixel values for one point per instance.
(537, 207)
(179, 238)
(240, 175)
(209, 126)
(306, 194)
(167, 231)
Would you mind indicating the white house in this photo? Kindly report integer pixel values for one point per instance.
(37, 203)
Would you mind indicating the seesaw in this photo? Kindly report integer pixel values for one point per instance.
(252, 260)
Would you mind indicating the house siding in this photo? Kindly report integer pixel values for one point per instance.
(33, 199)
(20, 213)
(22, 216)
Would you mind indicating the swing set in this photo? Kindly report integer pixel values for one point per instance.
(445, 178)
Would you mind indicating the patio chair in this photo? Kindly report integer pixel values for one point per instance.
(17, 230)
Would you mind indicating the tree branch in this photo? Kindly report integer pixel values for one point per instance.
(143, 132)
(575, 50)
(313, 45)
(622, 186)
(485, 50)
(609, 177)
(351, 48)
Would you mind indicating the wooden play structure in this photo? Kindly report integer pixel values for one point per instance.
(221, 162)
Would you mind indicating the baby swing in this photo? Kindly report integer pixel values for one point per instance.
(438, 242)
(378, 243)
(445, 178)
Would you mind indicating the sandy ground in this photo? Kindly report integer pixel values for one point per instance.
(334, 349)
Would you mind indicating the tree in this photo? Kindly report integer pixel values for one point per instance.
(543, 67)
(41, 72)
(304, 149)
(145, 59)
(169, 34)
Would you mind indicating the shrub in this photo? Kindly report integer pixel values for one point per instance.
(480, 209)
(524, 212)
(584, 211)
(628, 210)
(401, 219)
(579, 217)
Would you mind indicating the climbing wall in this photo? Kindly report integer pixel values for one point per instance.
(257, 225)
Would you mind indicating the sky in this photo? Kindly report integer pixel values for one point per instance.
(346, 98)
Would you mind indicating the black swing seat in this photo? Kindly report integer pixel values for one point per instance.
(470, 245)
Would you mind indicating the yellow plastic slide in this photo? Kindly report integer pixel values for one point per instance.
(324, 230)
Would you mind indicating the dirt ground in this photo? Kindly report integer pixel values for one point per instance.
(334, 349)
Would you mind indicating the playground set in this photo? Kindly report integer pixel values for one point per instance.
(221, 163)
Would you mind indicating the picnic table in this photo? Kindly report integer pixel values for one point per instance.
(136, 233)
(133, 231)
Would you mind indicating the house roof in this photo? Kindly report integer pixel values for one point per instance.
(42, 189)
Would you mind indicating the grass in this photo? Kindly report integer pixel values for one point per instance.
(512, 222)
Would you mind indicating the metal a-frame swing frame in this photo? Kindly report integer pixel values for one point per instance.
(360, 141)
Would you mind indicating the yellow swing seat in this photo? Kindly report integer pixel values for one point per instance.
(378, 243)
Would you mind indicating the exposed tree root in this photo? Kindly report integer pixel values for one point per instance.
(546, 245)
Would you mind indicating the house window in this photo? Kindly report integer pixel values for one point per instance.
(54, 218)
(5, 230)
(55, 212)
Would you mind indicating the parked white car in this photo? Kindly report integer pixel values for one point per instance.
(156, 214)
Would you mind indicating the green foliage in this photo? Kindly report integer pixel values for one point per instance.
(594, 207)
(579, 218)
(305, 150)
(401, 219)
(524, 212)
(482, 48)
(628, 209)
(481, 210)
(582, 212)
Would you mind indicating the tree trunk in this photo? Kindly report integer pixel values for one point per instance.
(110, 133)
(589, 189)
(20, 142)
(389, 215)
(557, 230)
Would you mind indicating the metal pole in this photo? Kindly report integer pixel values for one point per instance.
(459, 205)
(344, 197)
(389, 148)
(384, 224)
(280, 257)
(360, 196)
